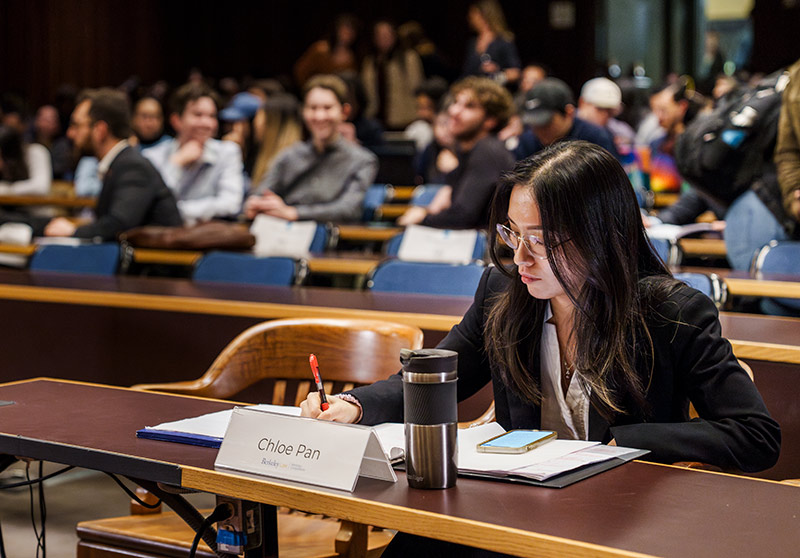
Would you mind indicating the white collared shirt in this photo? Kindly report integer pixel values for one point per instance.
(567, 416)
(211, 187)
(105, 163)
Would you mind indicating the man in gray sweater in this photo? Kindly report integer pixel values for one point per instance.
(324, 178)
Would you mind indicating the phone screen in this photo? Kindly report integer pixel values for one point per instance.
(517, 439)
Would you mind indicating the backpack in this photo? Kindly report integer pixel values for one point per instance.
(722, 153)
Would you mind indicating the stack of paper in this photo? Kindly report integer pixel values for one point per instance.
(542, 463)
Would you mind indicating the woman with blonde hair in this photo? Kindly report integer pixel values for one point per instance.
(278, 126)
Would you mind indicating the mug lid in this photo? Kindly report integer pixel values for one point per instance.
(428, 361)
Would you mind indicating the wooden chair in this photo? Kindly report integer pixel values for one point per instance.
(269, 363)
(274, 356)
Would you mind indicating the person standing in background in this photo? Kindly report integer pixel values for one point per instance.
(391, 75)
(334, 54)
(493, 52)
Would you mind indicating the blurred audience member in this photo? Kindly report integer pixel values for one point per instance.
(334, 54)
(359, 128)
(133, 193)
(24, 168)
(46, 131)
(493, 52)
(438, 159)
(712, 65)
(531, 75)
(600, 102)
(480, 107)
(238, 117)
(265, 88)
(282, 128)
(549, 116)
(148, 123)
(724, 87)
(14, 114)
(412, 36)
(428, 95)
(787, 150)
(675, 105)
(324, 178)
(204, 173)
(390, 75)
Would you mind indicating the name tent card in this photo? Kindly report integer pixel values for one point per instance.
(302, 449)
(280, 238)
(426, 244)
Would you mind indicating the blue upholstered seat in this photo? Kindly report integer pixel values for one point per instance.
(93, 259)
(232, 267)
(426, 278)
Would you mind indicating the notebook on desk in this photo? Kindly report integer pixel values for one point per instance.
(206, 430)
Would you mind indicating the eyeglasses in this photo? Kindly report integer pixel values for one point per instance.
(533, 244)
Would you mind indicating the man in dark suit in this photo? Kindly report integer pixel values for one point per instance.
(133, 192)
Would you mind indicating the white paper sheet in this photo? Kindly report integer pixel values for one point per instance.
(215, 424)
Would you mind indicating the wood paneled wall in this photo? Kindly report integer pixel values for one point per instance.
(88, 43)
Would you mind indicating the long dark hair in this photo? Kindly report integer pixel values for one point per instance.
(12, 153)
(601, 256)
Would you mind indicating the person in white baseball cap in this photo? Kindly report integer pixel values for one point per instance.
(599, 103)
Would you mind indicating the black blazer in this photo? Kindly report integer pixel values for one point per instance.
(693, 362)
(133, 194)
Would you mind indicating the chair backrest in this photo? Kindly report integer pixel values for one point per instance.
(426, 278)
(779, 257)
(424, 193)
(93, 259)
(320, 241)
(232, 267)
(392, 246)
(350, 353)
(374, 198)
(668, 251)
(709, 284)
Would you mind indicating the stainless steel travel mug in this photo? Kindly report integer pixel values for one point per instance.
(431, 417)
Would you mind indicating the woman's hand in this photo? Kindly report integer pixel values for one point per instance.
(338, 410)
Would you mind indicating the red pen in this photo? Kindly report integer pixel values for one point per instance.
(323, 402)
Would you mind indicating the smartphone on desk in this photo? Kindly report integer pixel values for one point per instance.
(516, 441)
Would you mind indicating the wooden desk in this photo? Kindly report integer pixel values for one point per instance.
(696, 247)
(760, 337)
(740, 283)
(343, 264)
(65, 202)
(390, 211)
(364, 233)
(638, 509)
(126, 330)
(22, 250)
(335, 264)
(400, 193)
